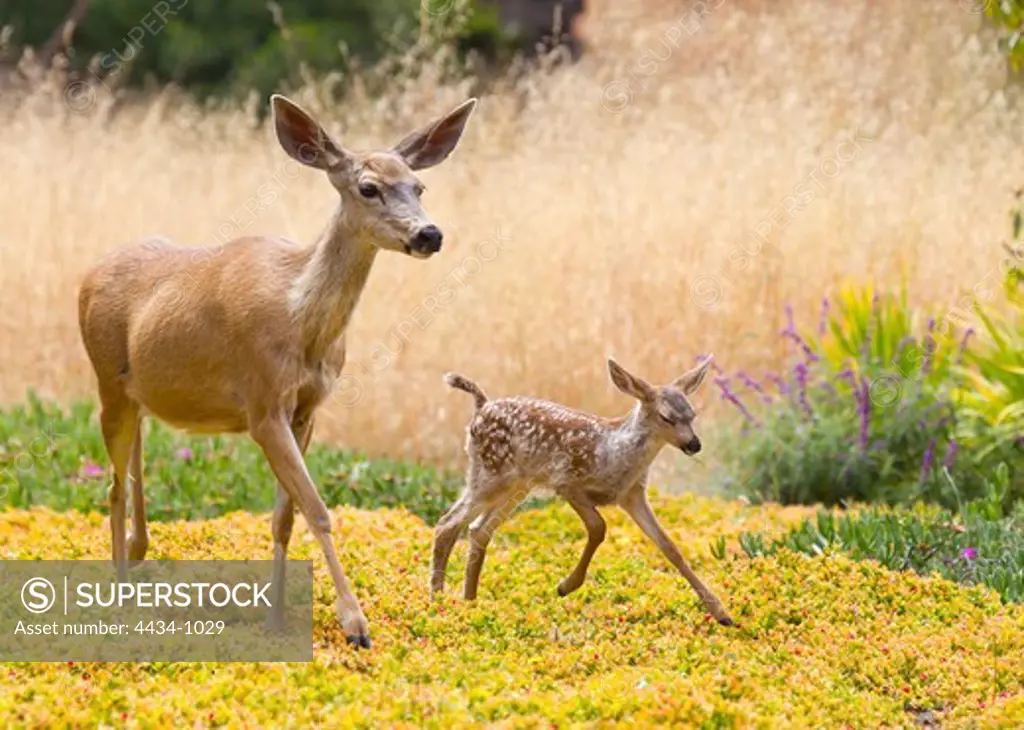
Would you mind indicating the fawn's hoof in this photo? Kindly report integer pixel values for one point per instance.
(726, 621)
(361, 642)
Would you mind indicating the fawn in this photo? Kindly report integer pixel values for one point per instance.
(250, 336)
(518, 444)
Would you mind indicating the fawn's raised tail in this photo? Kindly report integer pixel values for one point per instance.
(462, 383)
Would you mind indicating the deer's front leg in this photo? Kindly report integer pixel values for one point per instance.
(283, 521)
(595, 536)
(636, 505)
(274, 435)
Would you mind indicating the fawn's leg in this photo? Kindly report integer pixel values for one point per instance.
(635, 503)
(446, 534)
(138, 541)
(595, 525)
(117, 420)
(281, 527)
(274, 435)
(480, 533)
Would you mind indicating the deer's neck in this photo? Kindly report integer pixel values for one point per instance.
(634, 442)
(328, 288)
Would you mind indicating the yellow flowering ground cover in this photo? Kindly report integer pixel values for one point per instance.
(823, 642)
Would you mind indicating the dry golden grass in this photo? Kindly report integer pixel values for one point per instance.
(621, 228)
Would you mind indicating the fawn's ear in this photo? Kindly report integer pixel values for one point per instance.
(302, 138)
(629, 384)
(691, 380)
(433, 142)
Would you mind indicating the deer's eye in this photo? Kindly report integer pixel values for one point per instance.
(665, 418)
(369, 190)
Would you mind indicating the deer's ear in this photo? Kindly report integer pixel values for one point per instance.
(691, 380)
(627, 383)
(302, 138)
(433, 142)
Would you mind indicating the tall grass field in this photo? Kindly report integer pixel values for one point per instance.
(661, 199)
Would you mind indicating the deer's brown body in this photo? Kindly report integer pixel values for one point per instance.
(145, 314)
(249, 337)
(517, 446)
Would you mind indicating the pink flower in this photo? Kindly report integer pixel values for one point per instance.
(968, 553)
(93, 471)
(185, 453)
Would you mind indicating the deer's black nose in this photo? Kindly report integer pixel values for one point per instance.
(692, 446)
(428, 239)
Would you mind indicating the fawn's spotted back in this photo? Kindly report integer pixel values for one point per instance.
(534, 437)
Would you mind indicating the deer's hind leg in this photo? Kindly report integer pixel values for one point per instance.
(595, 525)
(449, 527)
(138, 541)
(480, 533)
(119, 421)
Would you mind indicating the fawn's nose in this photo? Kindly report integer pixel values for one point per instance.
(428, 239)
(692, 446)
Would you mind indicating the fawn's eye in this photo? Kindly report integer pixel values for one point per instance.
(665, 418)
(369, 190)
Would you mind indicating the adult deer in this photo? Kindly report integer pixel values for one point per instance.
(251, 337)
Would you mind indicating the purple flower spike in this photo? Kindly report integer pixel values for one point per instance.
(869, 332)
(809, 354)
(951, 454)
(791, 333)
(185, 454)
(929, 350)
(728, 395)
(823, 322)
(800, 370)
(969, 553)
(861, 396)
(790, 324)
(781, 384)
(749, 382)
(754, 386)
(926, 462)
(963, 344)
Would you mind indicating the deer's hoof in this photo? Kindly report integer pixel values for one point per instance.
(136, 550)
(361, 642)
(726, 621)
